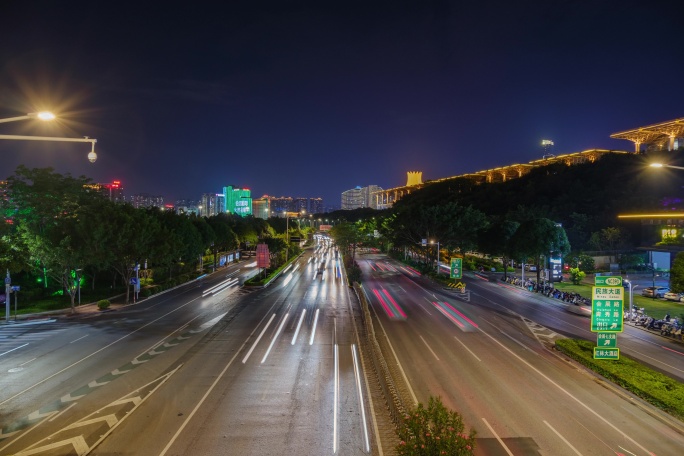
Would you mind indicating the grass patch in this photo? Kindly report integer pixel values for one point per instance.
(651, 386)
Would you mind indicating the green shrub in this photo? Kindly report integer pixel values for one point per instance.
(434, 430)
(652, 386)
(103, 304)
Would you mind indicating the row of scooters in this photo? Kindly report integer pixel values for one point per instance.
(668, 326)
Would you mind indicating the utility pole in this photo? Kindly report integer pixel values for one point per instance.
(8, 283)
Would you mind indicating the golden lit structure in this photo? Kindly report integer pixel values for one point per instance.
(386, 198)
(655, 136)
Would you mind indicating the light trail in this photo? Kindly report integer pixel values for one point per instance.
(244, 360)
(313, 332)
(357, 374)
(299, 325)
(280, 328)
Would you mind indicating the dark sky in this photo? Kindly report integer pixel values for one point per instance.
(313, 98)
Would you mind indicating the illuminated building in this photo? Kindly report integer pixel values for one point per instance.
(360, 197)
(316, 206)
(113, 191)
(210, 204)
(655, 137)
(142, 200)
(237, 201)
(261, 208)
(282, 204)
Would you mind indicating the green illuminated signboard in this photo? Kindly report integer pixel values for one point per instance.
(608, 281)
(606, 353)
(606, 309)
(456, 268)
(606, 340)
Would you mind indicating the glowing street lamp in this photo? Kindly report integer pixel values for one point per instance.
(47, 116)
(663, 165)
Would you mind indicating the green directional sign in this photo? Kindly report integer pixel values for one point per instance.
(606, 353)
(456, 268)
(608, 281)
(606, 340)
(606, 309)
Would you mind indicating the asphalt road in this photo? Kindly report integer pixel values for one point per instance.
(209, 368)
(486, 355)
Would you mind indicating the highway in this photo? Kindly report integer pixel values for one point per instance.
(485, 353)
(208, 368)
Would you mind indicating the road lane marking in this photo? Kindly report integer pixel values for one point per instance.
(97, 351)
(22, 364)
(357, 374)
(299, 325)
(337, 395)
(562, 438)
(9, 351)
(313, 331)
(568, 393)
(426, 344)
(57, 415)
(396, 358)
(244, 360)
(280, 328)
(498, 438)
(79, 339)
(469, 350)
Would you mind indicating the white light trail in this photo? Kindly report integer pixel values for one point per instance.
(299, 325)
(280, 328)
(313, 332)
(337, 386)
(363, 409)
(244, 360)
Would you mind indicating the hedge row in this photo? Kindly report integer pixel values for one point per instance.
(648, 384)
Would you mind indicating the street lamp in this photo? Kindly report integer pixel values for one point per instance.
(663, 165)
(92, 156)
(432, 242)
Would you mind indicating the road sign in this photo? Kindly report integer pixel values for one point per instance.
(8, 280)
(606, 309)
(606, 340)
(456, 268)
(608, 281)
(134, 280)
(606, 353)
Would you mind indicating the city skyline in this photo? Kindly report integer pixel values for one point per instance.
(315, 99)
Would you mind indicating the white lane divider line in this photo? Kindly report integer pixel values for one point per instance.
(17, 348)
(426, 344)
(466, 347)
(280, 328)
(337, 385)
(498, 438)
(357, 374)
(562, 438)
(299, 325)
(313, 332)
(244, 360)
(83, 337)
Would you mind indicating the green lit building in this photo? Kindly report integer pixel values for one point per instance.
(237, 200)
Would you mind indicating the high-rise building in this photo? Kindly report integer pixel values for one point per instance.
(261, 207)
(300, 205)
(113, 191)
(210, 204)
(282, 204)
(237, 200)
(316, 206)
(359, 197)
(146, 200)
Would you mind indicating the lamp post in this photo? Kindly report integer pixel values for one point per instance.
(432, 242)
(287, 236)
(92, 156)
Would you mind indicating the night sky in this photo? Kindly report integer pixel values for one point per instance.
(310, 99)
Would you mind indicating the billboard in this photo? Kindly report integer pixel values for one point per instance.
(263, 256)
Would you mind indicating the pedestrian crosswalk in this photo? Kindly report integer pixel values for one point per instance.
(16, 335)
